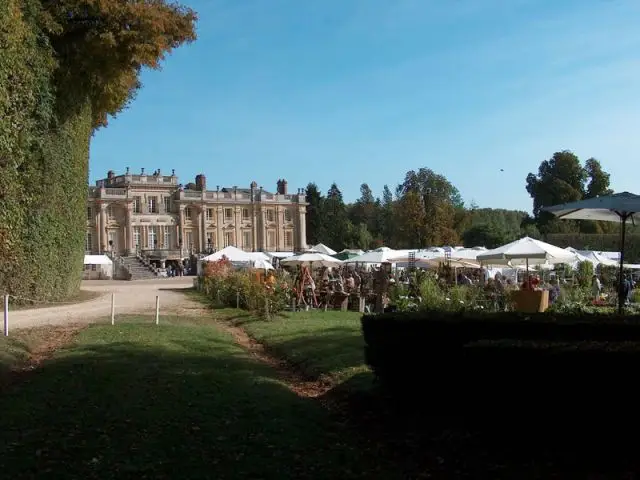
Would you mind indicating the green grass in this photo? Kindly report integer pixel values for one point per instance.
(179, 400)
(321, 344)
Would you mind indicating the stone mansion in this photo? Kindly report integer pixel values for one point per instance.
(154, 215)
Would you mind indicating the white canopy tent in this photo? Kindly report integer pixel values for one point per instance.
(526, 251)
(379, 255)
(235, 255)
(322, 248)
(311, 259)
(97, 267)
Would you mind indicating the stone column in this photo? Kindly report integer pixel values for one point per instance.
(302, 227)
(238, 224)
(263, 223)
(219, 229)
(203, 228)
(129, 229)
(103, 228)
(254, 228)
(97, 219)
(181, 229)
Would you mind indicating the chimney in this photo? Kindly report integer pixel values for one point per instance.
(282, 187)
(201, 182)
(111, 174)
(254, 185)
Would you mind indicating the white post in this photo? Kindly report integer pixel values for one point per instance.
(6, 315)
(113, 309)
(157, 309)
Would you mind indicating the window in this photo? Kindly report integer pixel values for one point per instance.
(110, 213)
(167, 204)
(228, 214)
(153, 204)
(228, 239)
(88, 242)
(137, 204)
(112, 241)
(211, 240)
(89, 213)
(210, 214)
(166, 237)
(245, 214)
(246, 240)
(152, 238)
(288, 239)
(271, 217)
(287, 215)
(271, 239)
(189, 239)
(136, 238)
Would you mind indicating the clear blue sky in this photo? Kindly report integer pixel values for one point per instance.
(357, 91)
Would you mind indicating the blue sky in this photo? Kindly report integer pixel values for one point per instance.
(357, 91)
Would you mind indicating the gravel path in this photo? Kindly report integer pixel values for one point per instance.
(135, 297)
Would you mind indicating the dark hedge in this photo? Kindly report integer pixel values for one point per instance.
(465, 361)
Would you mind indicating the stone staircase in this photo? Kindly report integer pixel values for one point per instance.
(137, 269)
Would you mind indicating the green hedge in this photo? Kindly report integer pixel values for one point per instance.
(43, 165)
(600, 242)
(466, 360)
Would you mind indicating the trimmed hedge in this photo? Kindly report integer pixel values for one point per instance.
(43, 164)
(466, 361)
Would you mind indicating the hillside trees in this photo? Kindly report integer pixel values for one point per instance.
(65, 67)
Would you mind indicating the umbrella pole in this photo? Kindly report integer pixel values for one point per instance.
(623, 220)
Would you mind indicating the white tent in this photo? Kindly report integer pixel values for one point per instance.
(313, 259)
(235, 255)
(379, 255)
(97, 267)
(526, 251)
(322, 248)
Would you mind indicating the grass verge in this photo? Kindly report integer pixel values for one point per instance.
(82, 296)
(136, 399)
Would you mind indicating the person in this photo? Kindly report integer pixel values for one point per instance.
(554, 291)
(596, 287)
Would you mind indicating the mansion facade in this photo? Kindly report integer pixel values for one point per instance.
(154, 215)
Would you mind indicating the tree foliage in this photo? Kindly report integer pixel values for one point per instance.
(65, 66)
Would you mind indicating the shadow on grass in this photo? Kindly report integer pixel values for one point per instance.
(139, 401)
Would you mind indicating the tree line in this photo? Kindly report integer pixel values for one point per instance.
(426, 210)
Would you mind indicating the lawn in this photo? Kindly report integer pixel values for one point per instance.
(320, 344)
(179, 400)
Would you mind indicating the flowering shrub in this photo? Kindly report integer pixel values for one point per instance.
(227, 287)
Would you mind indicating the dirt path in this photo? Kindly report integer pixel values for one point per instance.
(137, 297)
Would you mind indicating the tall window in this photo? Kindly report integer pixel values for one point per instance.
(271, 216)
(245, 214)
(187, 213)
(271, 239)
(152, 237)
(246, 240)
(287, 215)
(228, 239)
(112, 241)
(136, 238)
(153, 204)
(89, 213)
(110, 214)
(228, 214)
(166, 237)
(167, 204)
(209, 214)
(137, 205)
(288, 239)
(189, 239)
(88, 242)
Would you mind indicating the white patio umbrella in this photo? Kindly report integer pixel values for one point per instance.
(315, 259)
(379, 255)
(235, 255)
(322, 248)
(526, 251)
(618, 207)
(262, 264)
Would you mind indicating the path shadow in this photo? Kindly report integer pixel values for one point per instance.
(195, 407)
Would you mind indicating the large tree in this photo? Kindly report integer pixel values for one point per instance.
(337, 224)
(65, 66)
(563, 179)
(315, 215)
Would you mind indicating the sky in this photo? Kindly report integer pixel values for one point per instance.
(362, 91)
